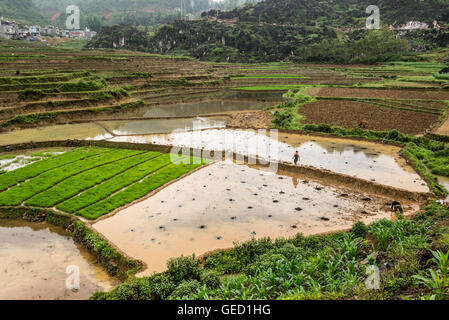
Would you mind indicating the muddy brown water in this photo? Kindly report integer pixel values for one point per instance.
(133, 127)
(444, 181)
(57, 132)
(364, 160)
(202, 108)
(226, 202)
(34, 260)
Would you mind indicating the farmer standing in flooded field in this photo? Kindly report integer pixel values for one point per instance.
(296, 158)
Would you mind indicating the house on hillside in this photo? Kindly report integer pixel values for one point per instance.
(8, 28)
(89, 34)
(51, 30)
(35, 31)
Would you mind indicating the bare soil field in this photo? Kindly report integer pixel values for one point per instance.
(349, 114)
(379, 93)
(256, 119)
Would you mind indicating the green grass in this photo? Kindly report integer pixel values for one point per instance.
(301, 268)
(8, 156)
(76, 184)
(36, 118)
(441, 76)
(72, 45)
(137, 190)
(438, 162)
(13, 177)
(19, 193)
(115, 184)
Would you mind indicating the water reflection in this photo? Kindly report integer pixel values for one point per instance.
(127, 127)
(365, 160)
(190, 109)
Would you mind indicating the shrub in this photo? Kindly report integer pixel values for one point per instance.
(161, 285)
(211, 278)
(183, 268)
(31, 94)
(185, 290)
(359, 229)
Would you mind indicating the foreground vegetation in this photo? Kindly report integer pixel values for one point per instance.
(410, 254)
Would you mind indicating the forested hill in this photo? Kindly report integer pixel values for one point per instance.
(297, 30)
(347, 13)
(20, 10)
(146, 13)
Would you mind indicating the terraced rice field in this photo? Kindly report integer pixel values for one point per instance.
(154, 205)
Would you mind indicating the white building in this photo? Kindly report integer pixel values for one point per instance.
(35, 31)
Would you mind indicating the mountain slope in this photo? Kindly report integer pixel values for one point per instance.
(339, 12)
(276, 30)
(20, 10)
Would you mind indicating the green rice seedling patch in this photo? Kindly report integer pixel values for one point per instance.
(115, 184)
(137, 190)
(8, 156)
(19, 193)
(13, 177)
(441, 76)
(85, 180)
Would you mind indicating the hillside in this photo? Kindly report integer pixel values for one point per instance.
(293, 30)
(20, 10)
(347, 13)
(146, 13)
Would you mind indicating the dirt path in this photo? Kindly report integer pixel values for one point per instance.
(444, 128)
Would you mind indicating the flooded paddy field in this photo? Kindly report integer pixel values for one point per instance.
(133, 127)
(56, 132)
(189, 109)
(34, 260)
(11, 161)
(226, 202)
(365, 160)
(444, 181)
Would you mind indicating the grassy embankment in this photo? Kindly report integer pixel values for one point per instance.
(315, 267)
